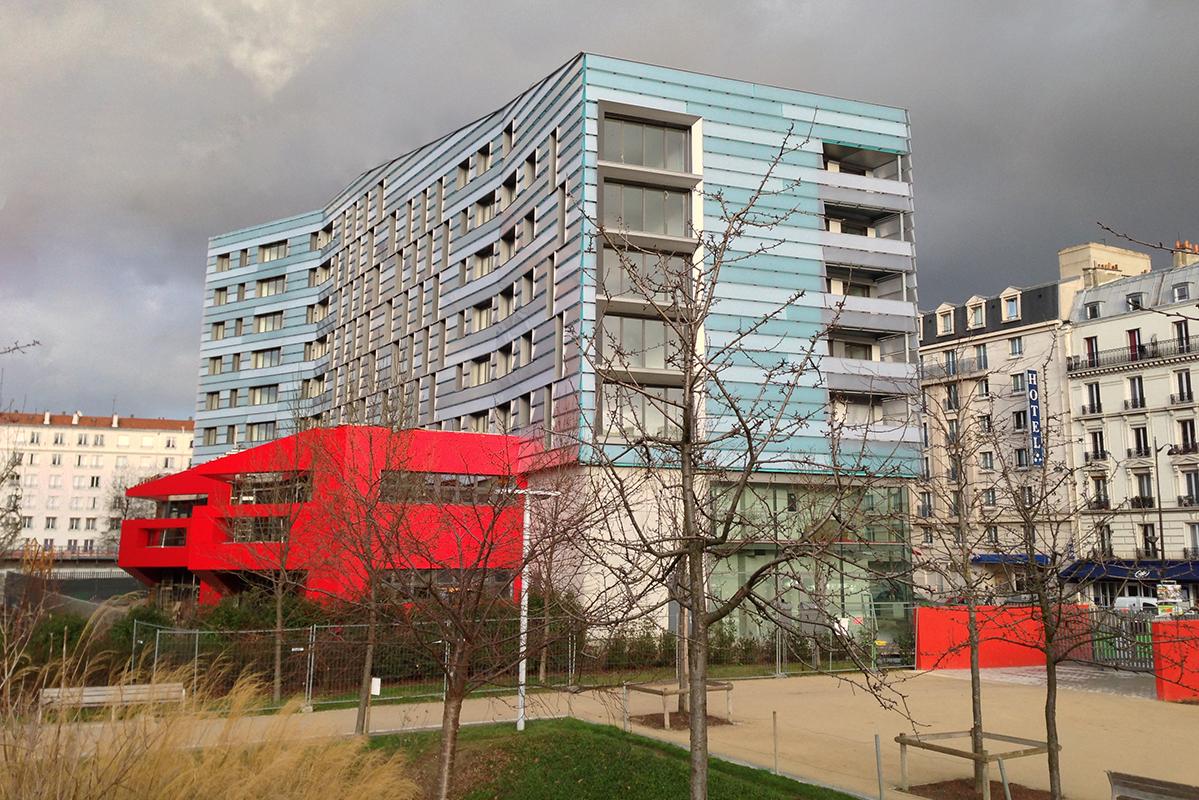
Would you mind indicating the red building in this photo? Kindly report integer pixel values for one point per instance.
(331, 504)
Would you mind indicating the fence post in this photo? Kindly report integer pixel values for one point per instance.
(445, 677)
(154, 669)
(196, 662)
(774, 724)
(133, 648)
(311, 667)
(778, 650)
(878, 760)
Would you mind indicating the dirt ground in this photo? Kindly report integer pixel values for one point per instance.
(963, 789)
(679, 721)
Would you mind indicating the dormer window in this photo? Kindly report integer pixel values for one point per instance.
(1011, 306)
(1092, 310)
(945, 322)
(1182, 291)
(1135, 301)
(977, 315)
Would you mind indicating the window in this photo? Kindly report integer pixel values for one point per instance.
(951, 362)
(641, 208)
(265, 323)
(55, 482)
(215, 365)
(1148, 541)
(1019, 382)
(641, 274)
(260, 431)
(1097, 443)
(260, 359)
(986, 460)
(35, 437)
(1019, 420)
(1144, 487)
(1134, 301)
(977, 315)
(222, 262)
(209, 437)
(262, 395)
(945, 322)
(218, 331)
(1094, 401)
(1022, 457)
(1092, 310)
(980, 356)
(1190, 479)
(992, 534)
(1182, 382)
(271, 286)
(1181, 291)
(638, 343)
(56, 459)
(983, 388)
(952, 401)
(272, 252)
(1136, 392)
(629, 413)
(220, 296)
(984, 423)
(1011, 307)
(51, 523)
(1015, 346)
(644, 144)
(74, 524)
(989, 496)
(1186, 435)
(1140, 441)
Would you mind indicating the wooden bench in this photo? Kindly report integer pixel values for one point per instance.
(129, 694)
(1134, 787)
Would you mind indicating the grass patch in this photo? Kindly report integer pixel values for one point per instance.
(572, 760)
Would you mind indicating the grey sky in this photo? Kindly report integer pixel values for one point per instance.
(131, 130)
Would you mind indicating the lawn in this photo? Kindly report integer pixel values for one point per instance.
(571, 760)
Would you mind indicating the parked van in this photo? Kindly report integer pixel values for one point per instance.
(1136, 605)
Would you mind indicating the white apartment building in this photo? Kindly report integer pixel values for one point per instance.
(977, 360)
(1134, 344)
(71, 471)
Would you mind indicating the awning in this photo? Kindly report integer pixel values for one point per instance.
(1006, 558)
(1128, 570)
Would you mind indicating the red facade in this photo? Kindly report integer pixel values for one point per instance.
(311, 502)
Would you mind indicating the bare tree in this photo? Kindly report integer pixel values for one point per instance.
(693, 458)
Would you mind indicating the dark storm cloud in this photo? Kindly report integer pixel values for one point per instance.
(131, 131)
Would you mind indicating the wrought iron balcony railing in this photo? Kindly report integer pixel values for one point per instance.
(1131, 354)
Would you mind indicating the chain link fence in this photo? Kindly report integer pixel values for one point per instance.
(323, 664)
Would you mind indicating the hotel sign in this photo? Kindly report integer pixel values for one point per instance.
(1034, 419)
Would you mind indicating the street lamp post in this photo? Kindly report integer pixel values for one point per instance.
(522, 670)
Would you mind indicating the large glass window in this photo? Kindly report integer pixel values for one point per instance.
(644, 144)
(631, 272)
(638, 343)
(645, 209)
(630, 413)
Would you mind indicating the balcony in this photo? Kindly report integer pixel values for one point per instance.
(1134, 404)
(1102, 553)
(1141, 502)
(1094, 456)
(1099, 503)
(1133, 354)
(1147, 554)
(1184, 399)
(1140, 452)
(1184, 449)
(1091, 409)
(961, 368)
(1190, 554)
(1187, 501)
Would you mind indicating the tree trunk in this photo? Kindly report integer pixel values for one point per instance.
(1051, 738)
(680, 645)
(277, 688)
(368, 664)
(451, 715)
(698, 677)
(976, 694)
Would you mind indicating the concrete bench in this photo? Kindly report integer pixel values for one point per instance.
(129, 694)
(1134, 787)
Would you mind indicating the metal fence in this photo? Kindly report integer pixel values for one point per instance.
(322, 665)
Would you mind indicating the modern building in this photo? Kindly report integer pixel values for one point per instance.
(68, 487)
(458, 280)
(1129, 369)
(993, 373)
(296, 505)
